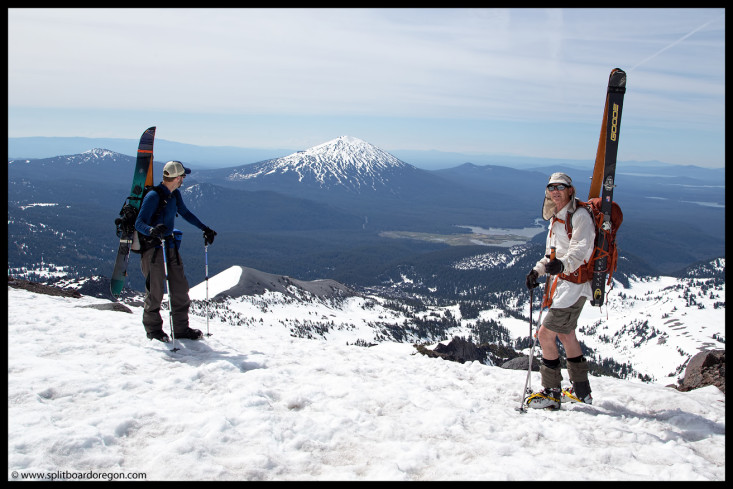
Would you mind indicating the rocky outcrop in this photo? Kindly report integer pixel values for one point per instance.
(110, 306)
(458, 350)
(705, 368)
(521, 363)
(462, 350)
(54, 290)
(41, 288)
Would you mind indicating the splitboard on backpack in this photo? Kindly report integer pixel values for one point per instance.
(142, 179)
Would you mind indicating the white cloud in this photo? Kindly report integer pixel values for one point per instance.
(495, 64)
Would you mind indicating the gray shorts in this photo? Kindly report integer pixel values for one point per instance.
(564, 320)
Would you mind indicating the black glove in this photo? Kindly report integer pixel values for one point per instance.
(159, 231)
(532, 279)
(209, 236)
(554, 267)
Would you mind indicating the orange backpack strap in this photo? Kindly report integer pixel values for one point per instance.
(552, 225)
(569, 219)
(584, 273)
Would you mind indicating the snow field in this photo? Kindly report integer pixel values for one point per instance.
(88, 391)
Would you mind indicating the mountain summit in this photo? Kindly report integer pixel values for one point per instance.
(346, 162)
(238, 281)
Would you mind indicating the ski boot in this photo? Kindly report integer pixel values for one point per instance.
(571, 395)
(158, 335)
(545, 399)
(189, 334)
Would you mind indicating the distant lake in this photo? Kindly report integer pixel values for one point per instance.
(527, 232)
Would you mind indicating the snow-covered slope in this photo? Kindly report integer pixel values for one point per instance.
(90, 397)
(649, 328)
(657, 324)
(240, 281)
(654, 326)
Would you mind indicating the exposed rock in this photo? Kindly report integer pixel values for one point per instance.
(96, 286)
(41, 288)
(705, 368)
(462, 350)
(521, 363)
(458, 350)
(111, 306)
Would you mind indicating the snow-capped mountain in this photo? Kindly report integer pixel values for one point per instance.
(346, 162)
(93, 165)
(362, 179)
(96, 154)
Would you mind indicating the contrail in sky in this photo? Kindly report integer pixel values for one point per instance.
(673, 44)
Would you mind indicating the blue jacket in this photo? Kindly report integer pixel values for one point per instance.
(168, 215)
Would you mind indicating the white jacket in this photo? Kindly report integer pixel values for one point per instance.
(571, 252)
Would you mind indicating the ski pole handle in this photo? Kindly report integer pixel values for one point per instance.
(547, 294)
(552, 255)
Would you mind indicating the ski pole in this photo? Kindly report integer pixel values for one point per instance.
(168, 290)
(528, 381)
(527, 387)
(206, 273)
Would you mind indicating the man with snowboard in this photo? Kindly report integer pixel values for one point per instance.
(155, 226)
(567, 297)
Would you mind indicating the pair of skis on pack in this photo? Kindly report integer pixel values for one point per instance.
(602, 184)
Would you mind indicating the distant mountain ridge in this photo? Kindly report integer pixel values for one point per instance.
(99, 166)
(212, 157)
(94, 164)
(198, 156)
(334, 201)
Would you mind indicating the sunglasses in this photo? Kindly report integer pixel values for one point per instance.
(559, 186)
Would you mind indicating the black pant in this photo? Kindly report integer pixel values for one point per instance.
(151, 264)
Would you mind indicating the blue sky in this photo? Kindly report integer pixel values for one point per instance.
(528, 82)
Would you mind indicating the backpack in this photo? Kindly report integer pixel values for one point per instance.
(603, 234)
(126, 223)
